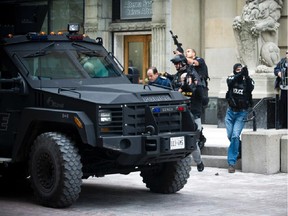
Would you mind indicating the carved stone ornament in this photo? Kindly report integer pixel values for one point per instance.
(130, 26)
(256, 33)
(91, 28)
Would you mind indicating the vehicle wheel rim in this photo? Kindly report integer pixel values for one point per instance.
(45, 171)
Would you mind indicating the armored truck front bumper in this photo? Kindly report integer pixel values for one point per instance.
(145, 149)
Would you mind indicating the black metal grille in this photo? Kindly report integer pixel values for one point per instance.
(168, 122)
(134, 120)
(130, 120)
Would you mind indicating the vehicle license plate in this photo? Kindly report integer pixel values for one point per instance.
(177, 143)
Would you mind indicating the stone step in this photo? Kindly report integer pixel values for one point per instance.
(214, 150)
(216, 156)
(217, 161)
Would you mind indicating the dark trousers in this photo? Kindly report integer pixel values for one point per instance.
(282, 108)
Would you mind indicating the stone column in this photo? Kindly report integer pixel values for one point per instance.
(98, 15)
(91, 18)
(158, 46)
(159, 32)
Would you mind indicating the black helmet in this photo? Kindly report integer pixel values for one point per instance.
(179, 58)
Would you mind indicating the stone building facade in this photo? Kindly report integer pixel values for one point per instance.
(205, 25)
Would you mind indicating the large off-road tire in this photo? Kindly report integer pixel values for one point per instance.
(55, 170)
(167, 177)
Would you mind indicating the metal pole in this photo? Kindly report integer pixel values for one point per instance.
(254, 121)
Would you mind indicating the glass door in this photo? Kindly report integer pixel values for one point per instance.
(137, 54)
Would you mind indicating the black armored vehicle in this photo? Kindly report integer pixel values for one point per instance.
(68, 112)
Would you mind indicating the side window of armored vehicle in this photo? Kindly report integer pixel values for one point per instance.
(95, 68)
(111, 66)
(52, 65)
(7, 72)
(96, 65)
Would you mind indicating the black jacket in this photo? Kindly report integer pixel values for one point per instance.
(191, 90)
(240, 87)
(281, 67)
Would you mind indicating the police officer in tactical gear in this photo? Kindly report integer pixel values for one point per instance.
(199, 65)
(239, 98)
(187, 81)
(182, 66)
(281, 86)
(201, 68)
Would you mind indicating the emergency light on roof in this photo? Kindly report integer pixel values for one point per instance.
(73, 28)
(37, 36)
(75, 37)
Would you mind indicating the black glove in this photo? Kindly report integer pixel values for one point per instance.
(244, 72)
(169, 76)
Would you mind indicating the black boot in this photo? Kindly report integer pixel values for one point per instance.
(200, 167)
(202, 140)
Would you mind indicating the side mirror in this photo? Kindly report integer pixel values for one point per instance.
(23, 88)
(13, 85)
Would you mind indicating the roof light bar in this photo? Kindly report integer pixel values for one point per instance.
(37, 36)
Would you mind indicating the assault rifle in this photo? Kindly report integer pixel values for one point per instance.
(176, 42)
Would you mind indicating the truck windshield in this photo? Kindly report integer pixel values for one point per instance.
(63, 64)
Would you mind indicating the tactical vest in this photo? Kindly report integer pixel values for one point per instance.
(239, 96)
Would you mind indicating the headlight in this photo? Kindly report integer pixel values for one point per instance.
(105, 117)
